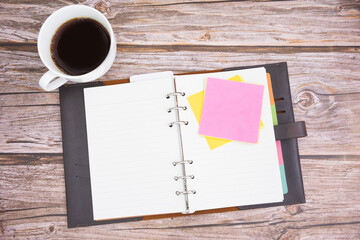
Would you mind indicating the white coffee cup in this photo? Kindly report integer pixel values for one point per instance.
(54, 78)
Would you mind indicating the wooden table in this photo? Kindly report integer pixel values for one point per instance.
(320, 40)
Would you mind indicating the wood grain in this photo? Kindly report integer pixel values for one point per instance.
(323, 95)
(319, 39)
(230, 23)
(36, 128)
(21, 68)
(35, 206)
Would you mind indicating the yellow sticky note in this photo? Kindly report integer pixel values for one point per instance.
(196, 103)
(236, 78)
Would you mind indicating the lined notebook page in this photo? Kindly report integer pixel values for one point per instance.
(131, 149)
(236, 173)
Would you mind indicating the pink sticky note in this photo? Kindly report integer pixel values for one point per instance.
(279, 152)
(231, 110)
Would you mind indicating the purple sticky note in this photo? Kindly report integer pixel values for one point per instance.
(232, 110)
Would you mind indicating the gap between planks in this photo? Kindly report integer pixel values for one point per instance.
(32, 47)
(10, 159)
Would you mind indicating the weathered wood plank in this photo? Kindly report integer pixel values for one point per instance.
(21, 99)
(21, 68)
(296, 23)
(323, 87)
(36, 128)
(30, 158)
(24, 129)
(36, 207)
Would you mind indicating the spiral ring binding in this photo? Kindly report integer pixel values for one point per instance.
(183, 162)
(184, 177)
(174, 94)
(179, 107)
(178, 122)
(185, 192)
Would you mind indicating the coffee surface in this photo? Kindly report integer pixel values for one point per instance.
(79, 46)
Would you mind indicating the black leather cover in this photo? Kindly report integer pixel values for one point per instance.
(290, 130)
(75, 149)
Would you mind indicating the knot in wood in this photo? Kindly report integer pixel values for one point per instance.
(206, 36)
(307, 99)
(293, 210)
(102, 7)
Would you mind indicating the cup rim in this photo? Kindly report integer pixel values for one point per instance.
(57, 71)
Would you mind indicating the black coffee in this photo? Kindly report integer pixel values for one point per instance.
(79, 46)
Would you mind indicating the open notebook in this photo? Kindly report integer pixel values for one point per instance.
(140, 166)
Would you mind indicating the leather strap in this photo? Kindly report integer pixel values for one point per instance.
(290, 130)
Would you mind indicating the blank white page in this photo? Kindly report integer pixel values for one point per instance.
(131, 149)
(236, 173)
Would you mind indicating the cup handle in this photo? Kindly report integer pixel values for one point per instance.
(50, 81)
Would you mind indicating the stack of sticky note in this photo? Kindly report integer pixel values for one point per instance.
(230, 110)
(233, 112)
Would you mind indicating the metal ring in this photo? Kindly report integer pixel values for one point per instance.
(179, 107)
(178, 122)
(174, 94)
(185, 192)
(184, 177)
(183, 162)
